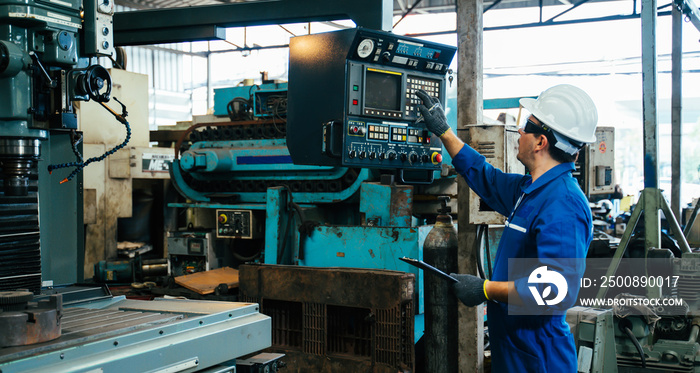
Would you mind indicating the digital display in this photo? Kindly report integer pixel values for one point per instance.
(418, 50)
(383, 90)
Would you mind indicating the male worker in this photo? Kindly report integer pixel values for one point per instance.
(549, 223)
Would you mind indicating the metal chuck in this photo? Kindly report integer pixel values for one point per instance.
(24, 322)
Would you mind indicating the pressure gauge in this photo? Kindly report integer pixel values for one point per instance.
(365, 48)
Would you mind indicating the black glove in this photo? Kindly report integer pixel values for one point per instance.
(433, 113)
(470, 289)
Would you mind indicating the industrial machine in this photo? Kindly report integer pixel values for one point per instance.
(109, 333)
(332, 177)
(48, 55)
(338, 173)
(46, 64)
(352, 101)
(190, 252)
(630, 334)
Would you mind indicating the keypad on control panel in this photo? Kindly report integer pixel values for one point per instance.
(398, 134)
(432, 87)
(378, 132)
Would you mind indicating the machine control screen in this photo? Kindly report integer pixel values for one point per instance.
(383, 89)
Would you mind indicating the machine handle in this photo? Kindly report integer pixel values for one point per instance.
(429, 180)
(330, 147)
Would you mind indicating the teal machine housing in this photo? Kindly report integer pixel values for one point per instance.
(45, 65)
(337, 182)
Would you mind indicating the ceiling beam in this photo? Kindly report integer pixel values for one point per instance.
(171, 25)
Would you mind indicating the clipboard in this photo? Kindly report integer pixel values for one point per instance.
(427, 267)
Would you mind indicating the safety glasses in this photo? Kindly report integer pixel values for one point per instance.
(534, 128)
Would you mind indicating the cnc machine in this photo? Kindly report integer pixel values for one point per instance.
(48, 54)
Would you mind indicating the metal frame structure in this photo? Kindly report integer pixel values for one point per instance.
(651, 200)
(686, 7)
(208, 22)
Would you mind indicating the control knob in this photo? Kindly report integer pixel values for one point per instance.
(392, 156)
(403, 157)
(372, 155)
(413, 157)
(352, 154)
(363, 154)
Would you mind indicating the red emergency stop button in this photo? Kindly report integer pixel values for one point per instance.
(222, 218)
(436, 158)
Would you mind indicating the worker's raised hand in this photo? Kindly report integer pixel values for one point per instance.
(433, 114)
(470, 289)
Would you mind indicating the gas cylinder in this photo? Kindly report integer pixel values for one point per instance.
(441, 338)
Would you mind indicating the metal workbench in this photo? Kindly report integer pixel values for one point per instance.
(164, 335)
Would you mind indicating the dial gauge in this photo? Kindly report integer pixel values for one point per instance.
(365, 48)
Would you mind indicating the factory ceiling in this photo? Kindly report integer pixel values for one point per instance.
(558, 11)
(400, 6)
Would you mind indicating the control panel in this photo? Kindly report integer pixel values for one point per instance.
(99, 38)
(236, 224)
(360, 86)
(391, 145)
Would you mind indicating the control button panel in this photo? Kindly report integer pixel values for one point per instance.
(391, 145)
(378, 132)
(398, 134)
(235, 224)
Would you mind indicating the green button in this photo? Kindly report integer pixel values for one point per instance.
(355, 88)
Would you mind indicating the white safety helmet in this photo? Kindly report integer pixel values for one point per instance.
(567, 110)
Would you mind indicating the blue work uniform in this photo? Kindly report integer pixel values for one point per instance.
(547, 220)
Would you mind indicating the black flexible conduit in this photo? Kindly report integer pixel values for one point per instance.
(636, 344)
(82, 164)
(479, 244)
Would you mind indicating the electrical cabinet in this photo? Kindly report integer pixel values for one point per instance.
(499, 144)
(598, 162)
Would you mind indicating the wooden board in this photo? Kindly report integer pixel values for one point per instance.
(206, 282)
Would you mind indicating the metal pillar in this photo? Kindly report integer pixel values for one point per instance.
(650, 119)
(676, 105)
(210, 89)
(276, 226)
(470, 102)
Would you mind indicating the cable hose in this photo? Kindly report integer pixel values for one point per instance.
(80, 165)
(75, 149)
(636, 344)
(479, 241)
(488, 251)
